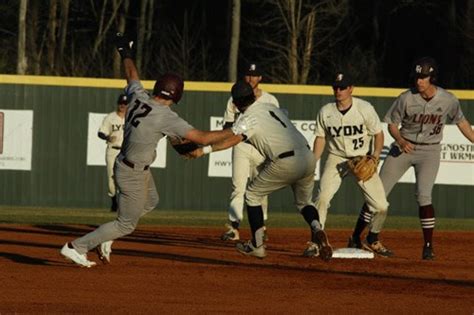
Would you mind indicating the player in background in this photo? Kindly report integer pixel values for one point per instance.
(111, 131)
(416, 121)
(246, 160)
(288, 162)
(149, 118)
(349, 125)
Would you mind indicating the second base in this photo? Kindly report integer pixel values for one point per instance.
(354, 253)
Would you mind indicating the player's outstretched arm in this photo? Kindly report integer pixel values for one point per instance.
(125, 47)
(466, 129)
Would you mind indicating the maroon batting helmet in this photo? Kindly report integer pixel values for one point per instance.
(169, 86)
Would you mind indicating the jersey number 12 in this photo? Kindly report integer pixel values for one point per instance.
(134, 117)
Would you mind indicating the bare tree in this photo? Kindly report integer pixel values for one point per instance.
(63, 23)
(121, 26)
(51, 44)
(234, 41)
(295, 32)
(22, 61)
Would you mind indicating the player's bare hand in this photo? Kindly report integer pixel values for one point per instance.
(406, 146)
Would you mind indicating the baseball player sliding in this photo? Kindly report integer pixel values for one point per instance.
(246, 160)
(288, 162)
(349, 125)
(111, 131)
(416, 121)
(148, 119)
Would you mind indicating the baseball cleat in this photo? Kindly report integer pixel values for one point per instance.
(249, 250)
(312, 250)
(80, 259)
(378, 248)
(231, 234)
(325, 249)
(428, 253)
(354, 243)
(104, 250)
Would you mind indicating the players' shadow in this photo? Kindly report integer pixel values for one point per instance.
(22, 259)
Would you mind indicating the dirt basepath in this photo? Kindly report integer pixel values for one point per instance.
(183, 270)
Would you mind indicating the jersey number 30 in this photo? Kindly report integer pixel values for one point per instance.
(134, 117)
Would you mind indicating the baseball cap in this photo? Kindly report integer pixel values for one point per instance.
(342, 79)
(241, 89)
(424, 67)
(122, 99)
(253, 69)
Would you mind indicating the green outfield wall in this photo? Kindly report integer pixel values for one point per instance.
(60, 177)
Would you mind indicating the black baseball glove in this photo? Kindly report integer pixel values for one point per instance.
(182, 146)
(124, 45)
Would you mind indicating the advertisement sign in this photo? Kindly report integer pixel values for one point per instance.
(16, 139)
(96, 146)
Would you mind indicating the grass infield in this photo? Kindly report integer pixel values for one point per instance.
(37, 215)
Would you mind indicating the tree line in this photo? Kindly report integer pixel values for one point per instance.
(295, 41)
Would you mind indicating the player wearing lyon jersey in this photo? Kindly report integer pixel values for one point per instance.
(111, 131)
(350, 127)
(416, 121)
(246, 160)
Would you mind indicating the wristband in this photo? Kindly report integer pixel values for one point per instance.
(207, 149)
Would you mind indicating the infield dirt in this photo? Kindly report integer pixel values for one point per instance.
(182, 270)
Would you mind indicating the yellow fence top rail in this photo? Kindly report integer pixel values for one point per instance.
(210, 86)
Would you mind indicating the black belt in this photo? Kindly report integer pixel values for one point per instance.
(116, 148)
(130, 164)
(420, 143)
(288, 153)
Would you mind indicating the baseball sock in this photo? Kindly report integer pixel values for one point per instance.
(364, 219)
(235, 224)
(311, 216)
(427, 220)
(255, 215)
(372, 237)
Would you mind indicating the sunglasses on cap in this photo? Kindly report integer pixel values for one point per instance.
(342, 88)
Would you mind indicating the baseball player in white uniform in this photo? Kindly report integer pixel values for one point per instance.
(246, 160)
(349, 126)
(288, 162)
(149, 118)
(111, 131)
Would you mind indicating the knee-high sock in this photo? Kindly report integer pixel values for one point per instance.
(427, 220)
(311, 216)
(255, 215)
(365, 217)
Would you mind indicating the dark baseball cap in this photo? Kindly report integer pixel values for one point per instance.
(122, 99)
(253, 69)
(241, 89)
(424, 67)
(342, 79)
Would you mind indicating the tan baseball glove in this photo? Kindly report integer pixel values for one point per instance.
(363, 167)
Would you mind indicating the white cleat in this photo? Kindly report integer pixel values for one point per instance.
(104, 250)
(74, 256)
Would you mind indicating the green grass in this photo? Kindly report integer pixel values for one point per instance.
(35, 215)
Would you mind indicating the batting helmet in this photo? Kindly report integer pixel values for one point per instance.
(122, 99)
(169, 86)
(425, 67)
(242, 95)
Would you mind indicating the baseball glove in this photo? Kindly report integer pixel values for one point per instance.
(363, 167)
(182, 146)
